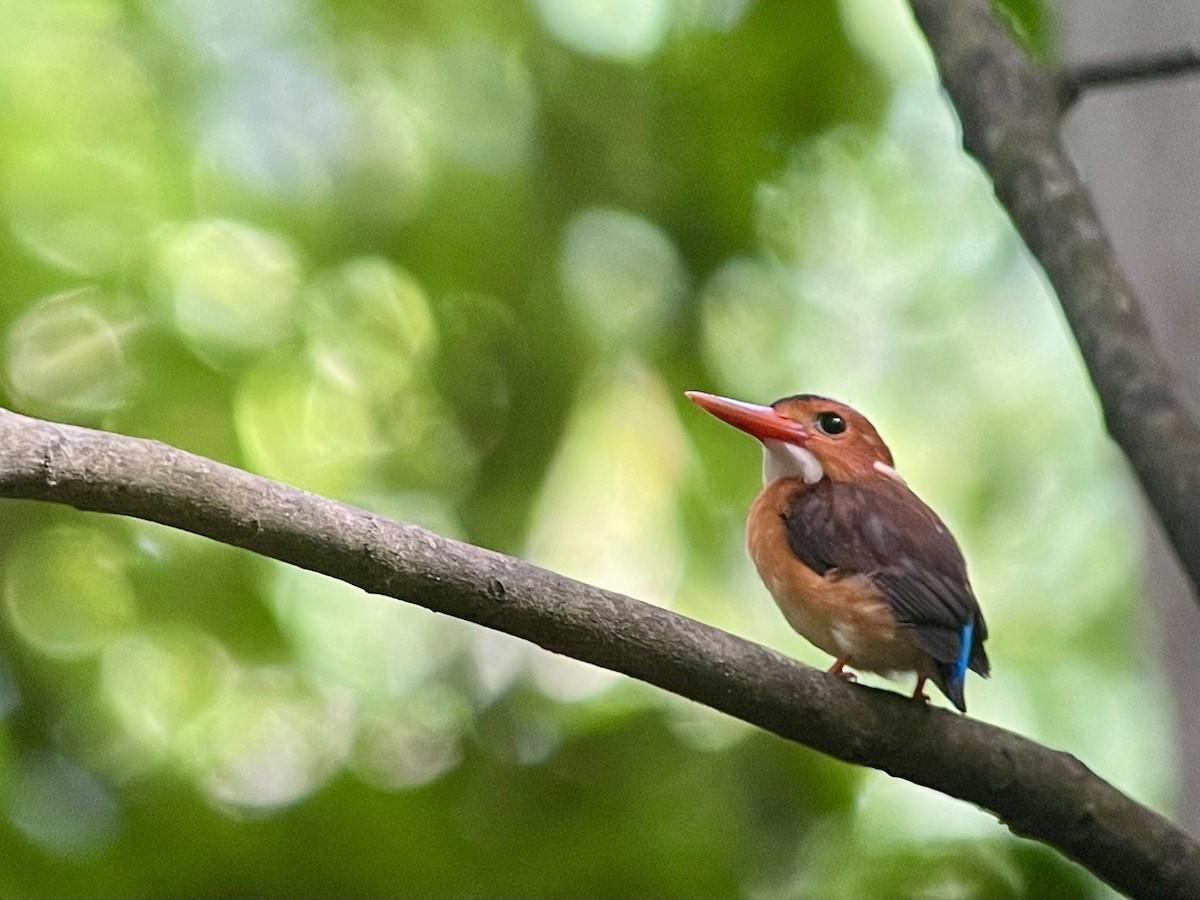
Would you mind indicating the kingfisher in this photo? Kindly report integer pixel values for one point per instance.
(857, 563)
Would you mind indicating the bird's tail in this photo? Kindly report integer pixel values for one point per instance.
(953, 688)
(954, 675)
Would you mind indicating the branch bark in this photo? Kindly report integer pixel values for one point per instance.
(1010, 114)
(1074, 80)
(1038, 792)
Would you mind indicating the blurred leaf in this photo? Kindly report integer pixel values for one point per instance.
(66, 590)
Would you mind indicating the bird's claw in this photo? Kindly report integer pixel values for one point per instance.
(839, 669)
(919, 694)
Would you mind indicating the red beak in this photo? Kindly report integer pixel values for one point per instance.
(760, 421)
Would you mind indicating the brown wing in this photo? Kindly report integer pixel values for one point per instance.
(880, 529)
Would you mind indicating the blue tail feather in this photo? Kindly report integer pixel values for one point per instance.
(956, 674)
(964, 651)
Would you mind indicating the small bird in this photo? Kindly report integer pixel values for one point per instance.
(857, 563)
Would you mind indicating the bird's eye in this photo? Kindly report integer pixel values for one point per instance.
(831, 423)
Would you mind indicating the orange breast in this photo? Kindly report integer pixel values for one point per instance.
(842, 614)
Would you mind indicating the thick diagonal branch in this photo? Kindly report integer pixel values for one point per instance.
(1009, 110)
(1039, 793)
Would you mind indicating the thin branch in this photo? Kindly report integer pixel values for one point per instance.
(1010, 117)
(1038, 792)
(1072, 81)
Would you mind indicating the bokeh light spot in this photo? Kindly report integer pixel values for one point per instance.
(156, 682)
(271, 116)
(230, 288)
(270, 742)
(410, 744)
(885, 32)
(392, 153)
(67, 355)
(621, 273)
(613, 29)
(66, 592)
(278, 124)
(373, 645)
(746, 307)
(61, 807)
(81, 209)
(607, 514)
(569, 680)
(477, 98)
(369, 327)
(303, 428)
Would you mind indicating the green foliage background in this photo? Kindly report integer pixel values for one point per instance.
(456, 262)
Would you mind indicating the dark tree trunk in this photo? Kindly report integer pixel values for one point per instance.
(1137, 149)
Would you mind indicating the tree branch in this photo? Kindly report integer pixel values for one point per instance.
(1009, 110)
(1072, 81)
(1039, 793)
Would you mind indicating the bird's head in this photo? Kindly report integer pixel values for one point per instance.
(807, 437)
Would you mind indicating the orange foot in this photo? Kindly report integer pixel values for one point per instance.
(919, 693)
(838, 669)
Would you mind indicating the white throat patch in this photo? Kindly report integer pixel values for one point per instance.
(783, 460)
